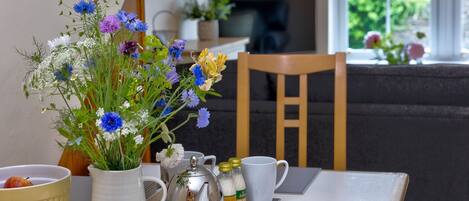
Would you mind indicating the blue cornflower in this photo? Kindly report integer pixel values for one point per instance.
(136, 26)
(176, 49)
(64, 73)
(199, 75)
(167, 111)
(90, 63)
(77, 141)
(125, 17)
(190, 98)
(172, 76)
(111, 121)
(202, 118)
(160, 103)
(135, 55)
(84, 7)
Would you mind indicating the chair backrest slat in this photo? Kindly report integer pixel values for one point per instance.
(301, 65)
(291, 64)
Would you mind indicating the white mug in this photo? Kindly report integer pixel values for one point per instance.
(260, 175)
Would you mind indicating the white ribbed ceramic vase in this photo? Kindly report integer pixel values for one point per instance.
(120, 185)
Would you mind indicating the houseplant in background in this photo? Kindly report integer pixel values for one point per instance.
(117, 94)
(188, 29)
(208, 27)
(394, 52)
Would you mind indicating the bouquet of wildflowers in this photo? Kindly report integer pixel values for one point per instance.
(117, 94)
(394, 53)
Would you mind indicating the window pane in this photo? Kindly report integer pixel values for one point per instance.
(465, 27)
(407, 18)
(364, 16)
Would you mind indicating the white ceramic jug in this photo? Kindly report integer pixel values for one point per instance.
(121, 185)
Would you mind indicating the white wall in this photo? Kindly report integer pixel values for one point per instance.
(26, 135)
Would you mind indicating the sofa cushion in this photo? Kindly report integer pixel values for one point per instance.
(437, 84)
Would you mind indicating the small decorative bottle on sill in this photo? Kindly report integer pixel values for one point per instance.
(238, 179)
(226, 182)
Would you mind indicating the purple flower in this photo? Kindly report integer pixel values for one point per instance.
(109, 24)
(172, 76)
(111, 121)
(190, 98)
(84, 7)
(199, 75)
(176, 49)
(128, 47)
(372, 39)
(202, 118)
(415, 51)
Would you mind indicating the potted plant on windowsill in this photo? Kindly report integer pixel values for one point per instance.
(114, 96)
(208, 28)
(394, 52)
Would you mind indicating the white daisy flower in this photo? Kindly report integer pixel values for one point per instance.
(109, 137)
(139, 88)
(143, 116)
(62, 40)
(100, 112)
(138, 139)
(129, 128)
(98, 123)
(87, 43)
(172, 156)
(126, 105)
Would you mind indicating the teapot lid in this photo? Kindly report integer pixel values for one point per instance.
(196, 170)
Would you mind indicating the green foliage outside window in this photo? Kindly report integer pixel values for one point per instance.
(370, 15)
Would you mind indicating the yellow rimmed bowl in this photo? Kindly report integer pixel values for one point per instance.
(50, 183)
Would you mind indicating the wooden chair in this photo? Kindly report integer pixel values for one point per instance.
(300, 65)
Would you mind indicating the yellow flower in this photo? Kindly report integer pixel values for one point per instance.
(207, 85)
(212, 67)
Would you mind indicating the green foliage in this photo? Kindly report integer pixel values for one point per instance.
(215, 10)
(370, 15)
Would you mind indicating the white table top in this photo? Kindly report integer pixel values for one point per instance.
(353, 186)
(328, 186)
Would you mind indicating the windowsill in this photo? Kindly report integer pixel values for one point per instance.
(383, 62)
(367, 56)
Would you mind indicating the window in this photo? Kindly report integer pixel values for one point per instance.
(445, 22)
(465, 19)
(401, 17)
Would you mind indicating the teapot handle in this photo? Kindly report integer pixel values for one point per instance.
(213, 159)
(159, 182)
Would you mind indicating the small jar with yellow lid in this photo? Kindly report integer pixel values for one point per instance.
(226, 182)
(238, 179)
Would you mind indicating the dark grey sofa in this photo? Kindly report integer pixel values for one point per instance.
(412, 119)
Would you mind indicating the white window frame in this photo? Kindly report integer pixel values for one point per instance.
(445, 29)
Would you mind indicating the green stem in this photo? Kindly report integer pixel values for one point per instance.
(189, 117)
(66, 102)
